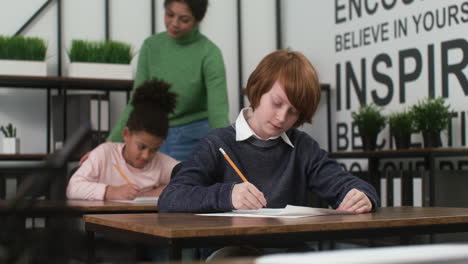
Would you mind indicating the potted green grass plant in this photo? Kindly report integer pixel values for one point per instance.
(22, 56)
(401, 128)
(370, 121)
(10, 141)
(100, 59)
(431, 116)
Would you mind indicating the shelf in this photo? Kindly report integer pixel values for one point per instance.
(22, 157)
(429, 155)
(29, 82)
(401, 153)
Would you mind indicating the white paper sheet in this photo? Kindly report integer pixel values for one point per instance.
(139, 200)
(290, 211)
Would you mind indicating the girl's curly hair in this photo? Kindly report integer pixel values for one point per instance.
(152, 103)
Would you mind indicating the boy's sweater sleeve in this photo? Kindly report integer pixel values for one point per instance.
(195, 188)
(331, 182)
(84, 184)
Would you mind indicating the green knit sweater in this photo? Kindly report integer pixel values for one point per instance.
(194, 67)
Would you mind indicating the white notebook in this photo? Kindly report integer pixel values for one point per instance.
(290, 211)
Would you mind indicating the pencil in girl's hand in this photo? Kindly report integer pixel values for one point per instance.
(122, 174)
(233, 165)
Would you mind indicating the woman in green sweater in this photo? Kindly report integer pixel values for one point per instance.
(194, 67)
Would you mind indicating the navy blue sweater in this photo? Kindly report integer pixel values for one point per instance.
(284, 174)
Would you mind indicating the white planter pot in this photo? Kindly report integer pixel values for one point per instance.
(100, 70)
(11, 145)
(22, 67)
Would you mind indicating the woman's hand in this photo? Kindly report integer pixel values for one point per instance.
(122, 192)
(246, 196)
(355, 201)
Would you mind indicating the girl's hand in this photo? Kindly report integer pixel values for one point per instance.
(122, 192)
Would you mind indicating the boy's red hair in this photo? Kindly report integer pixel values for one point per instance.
(298, 77)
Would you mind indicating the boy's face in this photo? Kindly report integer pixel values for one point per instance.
(140, 147)
(274, 114)
(178, 19)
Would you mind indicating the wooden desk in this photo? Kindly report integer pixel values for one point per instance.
(188, 230)
(45, 208)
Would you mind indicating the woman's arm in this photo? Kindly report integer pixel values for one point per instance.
(141, 76)
(215, 82)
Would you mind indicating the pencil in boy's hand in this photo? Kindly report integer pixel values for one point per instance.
(122, 174)
(233, 165)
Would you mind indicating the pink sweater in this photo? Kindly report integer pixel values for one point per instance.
(90, 181)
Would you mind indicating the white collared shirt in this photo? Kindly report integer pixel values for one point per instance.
(243, 130)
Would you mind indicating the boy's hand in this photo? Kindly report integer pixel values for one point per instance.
(247, 197)
(122, 192)
(355, 201)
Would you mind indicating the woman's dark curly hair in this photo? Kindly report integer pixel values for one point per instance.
(198, 7)
(152, 103)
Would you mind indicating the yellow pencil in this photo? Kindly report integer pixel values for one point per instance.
(233, 165)
(122, 174)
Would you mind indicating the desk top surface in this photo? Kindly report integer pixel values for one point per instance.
(191, 226)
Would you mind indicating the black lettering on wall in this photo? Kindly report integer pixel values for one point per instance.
(420, 165)
(389, 166)
(400, 27)
(456, 68)
(370, 10)
(354, 136)
(463, 129)
(464, 9)
(446, 165)
(355, 167)
(357, 8)
(463, 165)
(338, 86)
(342, 141)
(406, 77)
(430, 71)
(383, 79)
(388, 5)
(338, 8)
(454, 115)
(359, 89)
(453, 12)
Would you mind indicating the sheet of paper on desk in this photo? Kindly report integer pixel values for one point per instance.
(290, 211)
(139, 200)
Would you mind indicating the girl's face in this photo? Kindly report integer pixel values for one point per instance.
(274, 114)
(178, 19)
(140, 147)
